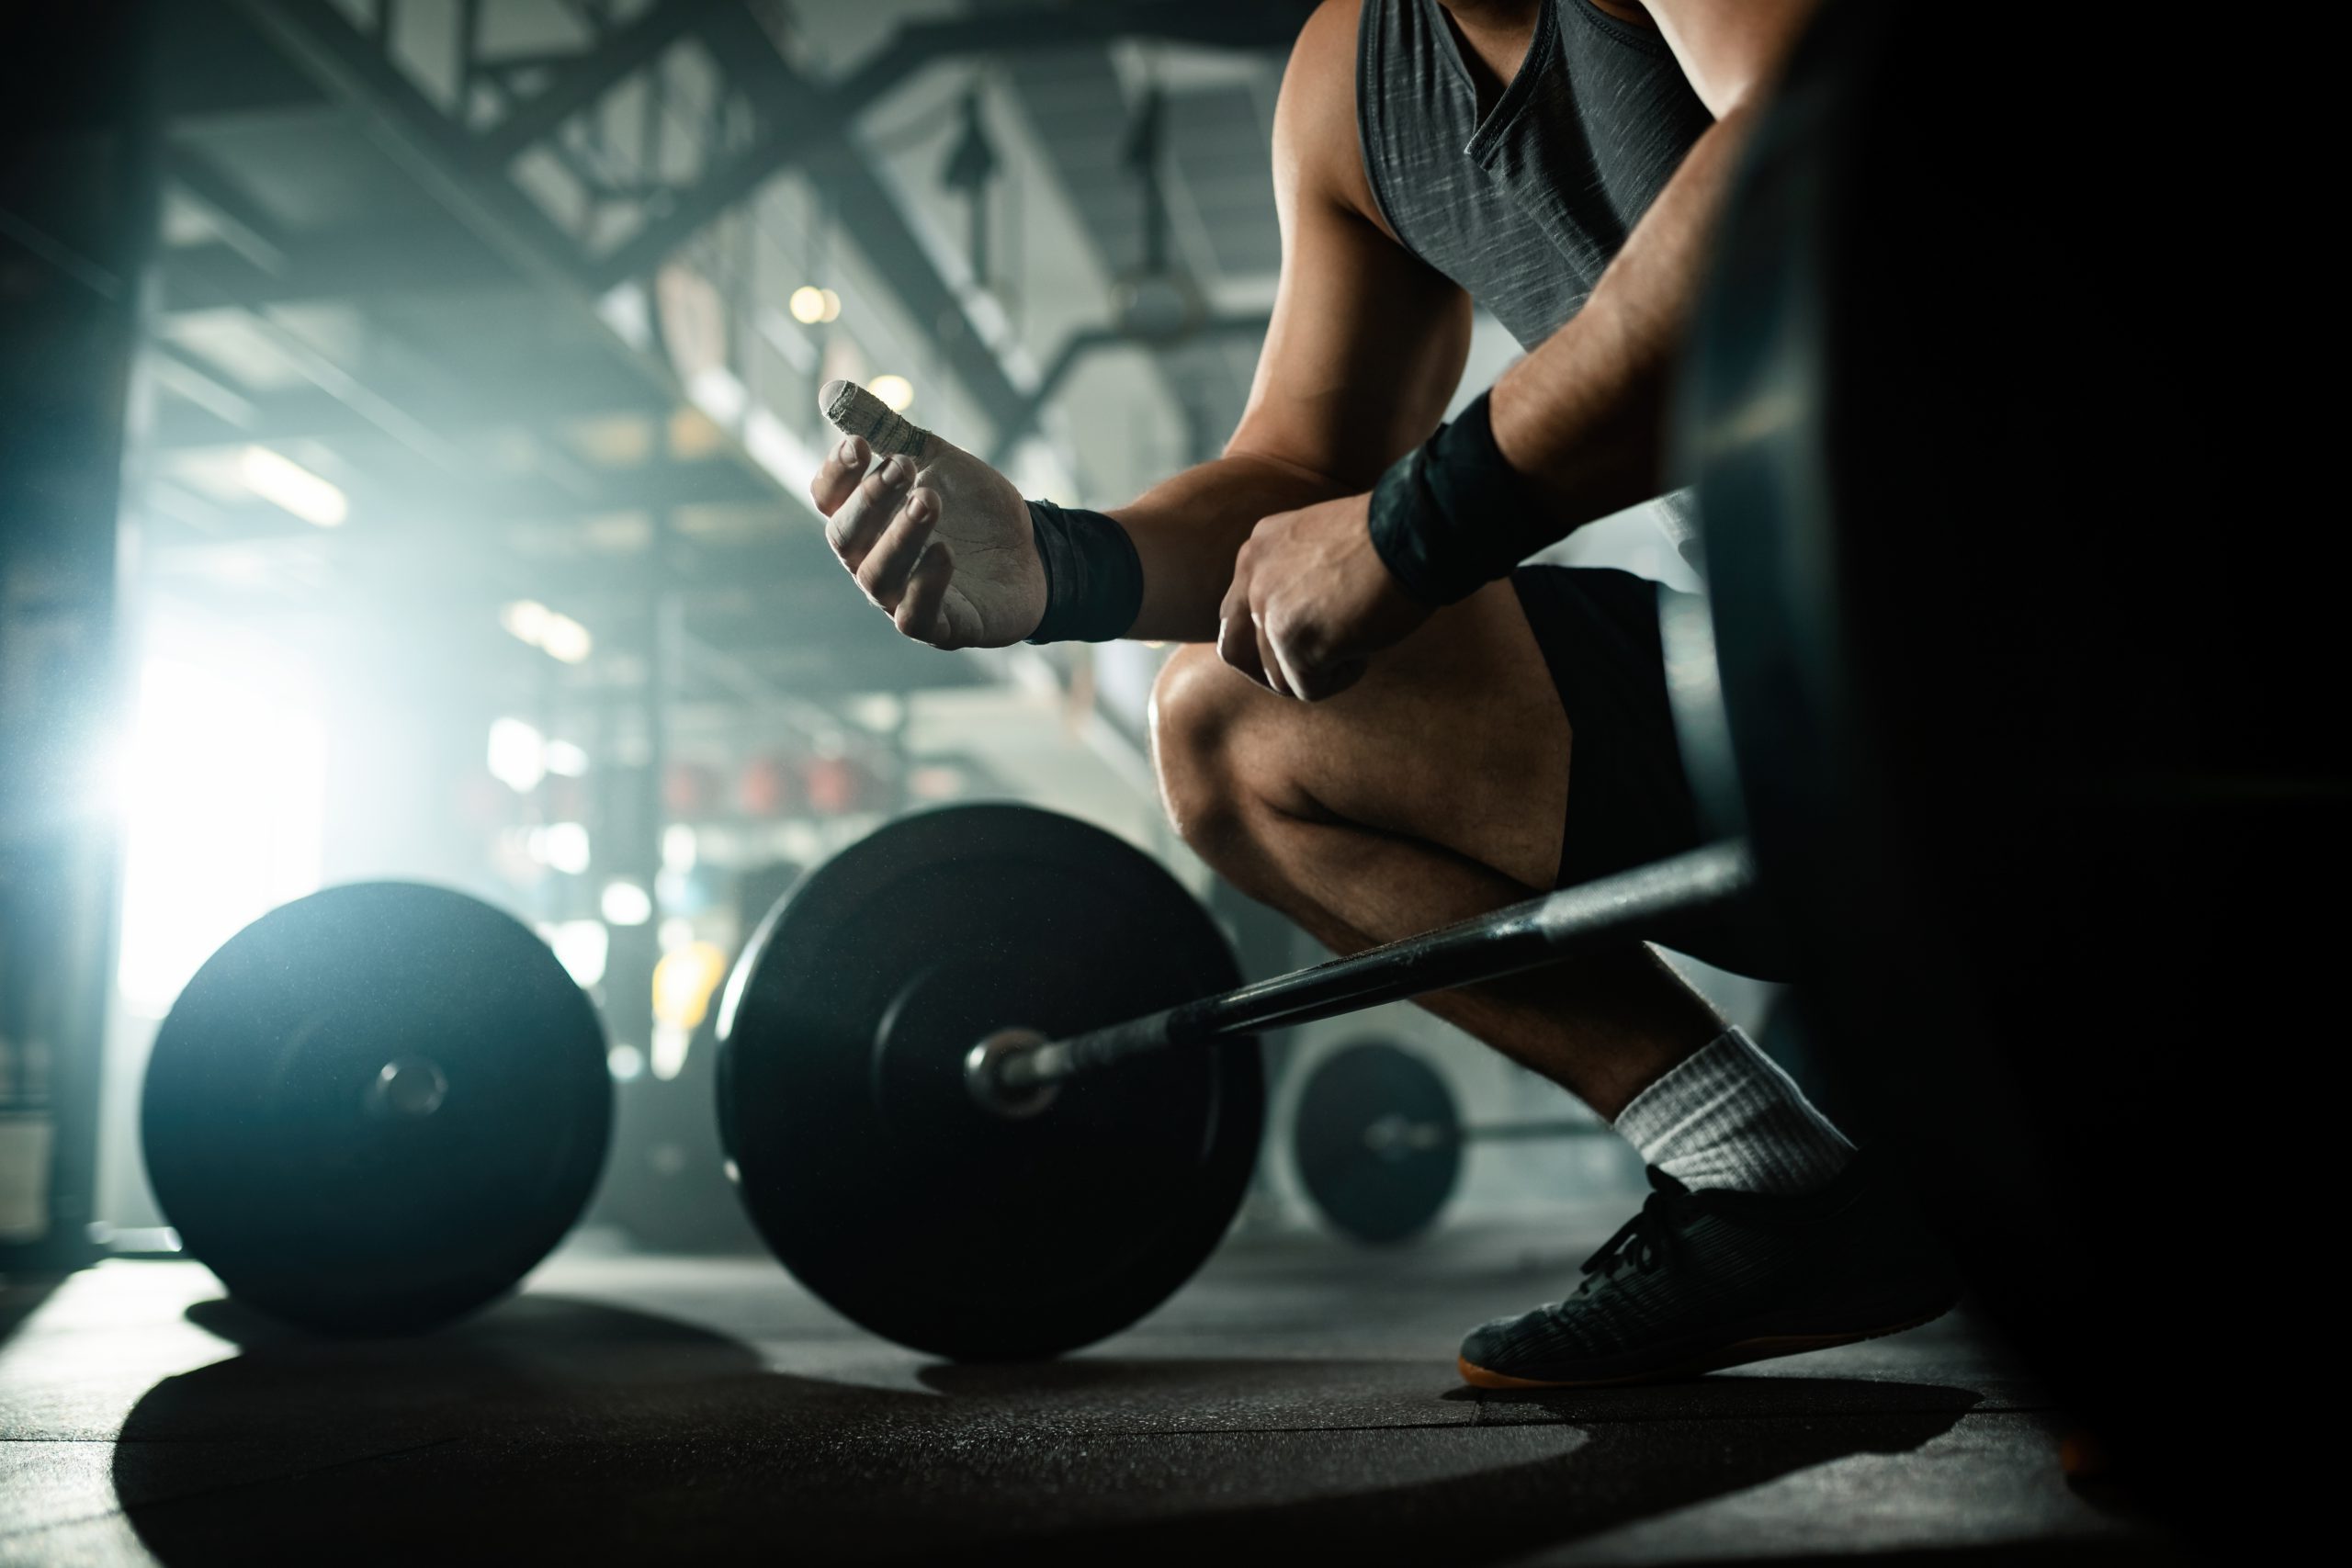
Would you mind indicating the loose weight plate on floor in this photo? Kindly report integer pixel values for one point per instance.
(376, 1107)
(1378, 1140)
(864, 1160)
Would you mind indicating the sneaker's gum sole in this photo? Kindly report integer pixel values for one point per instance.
(1738, 1352)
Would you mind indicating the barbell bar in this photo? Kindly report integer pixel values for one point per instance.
(1013, 1071)
(923, 1016)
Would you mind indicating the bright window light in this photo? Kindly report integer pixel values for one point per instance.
(282, 481)
(517, 755)
(810, 304)
(627, 903)
(627, 1062)
(678, 847)
(224, 792)
(896, 391)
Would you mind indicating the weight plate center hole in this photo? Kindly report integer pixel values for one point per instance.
(407, 1089)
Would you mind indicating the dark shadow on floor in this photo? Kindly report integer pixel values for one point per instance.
(566, 1430)
(1628, 1464)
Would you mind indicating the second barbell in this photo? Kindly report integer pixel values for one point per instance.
(1378, 1140)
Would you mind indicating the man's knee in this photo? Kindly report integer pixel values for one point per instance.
(1198, 724)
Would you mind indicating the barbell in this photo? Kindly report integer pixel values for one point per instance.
(1378, 1140)
(988, 1082)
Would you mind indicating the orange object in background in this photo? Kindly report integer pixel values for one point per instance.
(835, 786)
(684, 981)
(764, 787)
(688, 789)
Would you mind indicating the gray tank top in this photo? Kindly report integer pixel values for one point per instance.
(1523, 208)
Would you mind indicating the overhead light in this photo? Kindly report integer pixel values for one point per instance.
(566, 639)
(561, 846)
(810, 304)
(580, 946)
(524, 618)
(282, 481)
(550, 631)
(565, 758)
(879, 711)
(627, 904)
(517, 754)
(896, 391)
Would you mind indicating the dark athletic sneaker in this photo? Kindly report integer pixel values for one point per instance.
(1703, 1280)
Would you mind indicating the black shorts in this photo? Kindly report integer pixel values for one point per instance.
(1629, 802)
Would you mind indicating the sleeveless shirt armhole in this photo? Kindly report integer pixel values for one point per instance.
(1367, 43)
(1649, 40)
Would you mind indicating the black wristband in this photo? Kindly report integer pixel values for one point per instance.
(1451, 516)
(1093, 577)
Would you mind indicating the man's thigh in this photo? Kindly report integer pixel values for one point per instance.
(1455, 736)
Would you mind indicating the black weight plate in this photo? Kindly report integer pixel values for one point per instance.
(863, 1159)
(1376, 1188)
(273, 1150)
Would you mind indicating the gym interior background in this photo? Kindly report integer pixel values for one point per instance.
(408, 408)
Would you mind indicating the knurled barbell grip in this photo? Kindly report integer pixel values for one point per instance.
(1646, 901)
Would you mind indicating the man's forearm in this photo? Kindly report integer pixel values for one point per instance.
(1188, 528)
(1582, 419)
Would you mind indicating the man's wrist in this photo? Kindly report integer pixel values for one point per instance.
(1094, 576)
(1452, 515)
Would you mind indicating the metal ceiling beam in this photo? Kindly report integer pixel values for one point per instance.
(364, 264)
(808, 117)
(434, 151)
(242, 226)
(442, 157)
(1092, 340)
(598, 71)
(866, 208)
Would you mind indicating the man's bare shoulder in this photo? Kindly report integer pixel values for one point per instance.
(1317, 142)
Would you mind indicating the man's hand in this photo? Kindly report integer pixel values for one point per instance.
(932, 535)
(1311, 601)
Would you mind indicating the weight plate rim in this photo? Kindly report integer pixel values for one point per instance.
(279, 1295)
(910, 843)
(1323, 1074)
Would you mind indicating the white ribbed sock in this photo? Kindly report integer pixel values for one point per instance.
(1728, 1116)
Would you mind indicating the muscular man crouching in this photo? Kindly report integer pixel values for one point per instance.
(1382, 721)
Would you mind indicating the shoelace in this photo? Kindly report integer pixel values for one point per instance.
(1646, 1241)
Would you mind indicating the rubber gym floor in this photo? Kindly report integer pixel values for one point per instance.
(1297, 1398)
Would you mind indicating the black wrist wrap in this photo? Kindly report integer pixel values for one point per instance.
(1451, 516)
(1093, 577)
